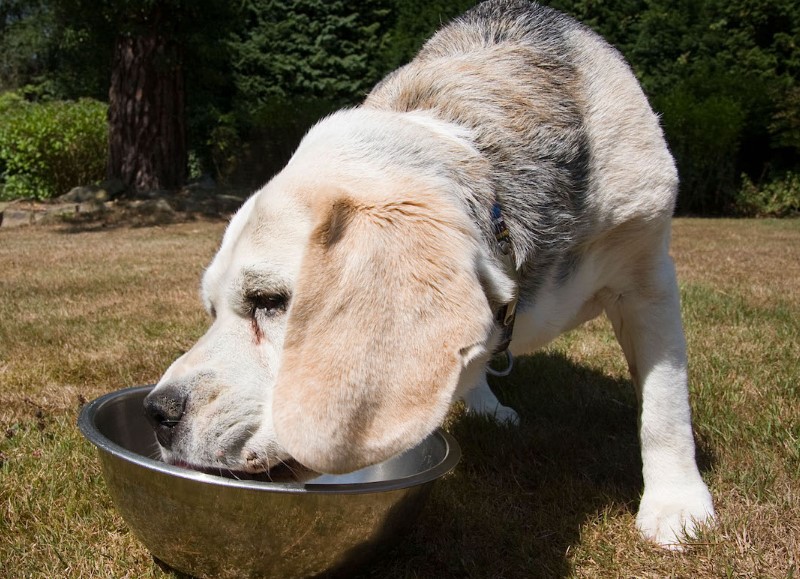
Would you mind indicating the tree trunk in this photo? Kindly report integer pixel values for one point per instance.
(147, 134)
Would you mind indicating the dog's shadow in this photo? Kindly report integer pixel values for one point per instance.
(516, 503)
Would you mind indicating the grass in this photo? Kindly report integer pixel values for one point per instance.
(85, 312)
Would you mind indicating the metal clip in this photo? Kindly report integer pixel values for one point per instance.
(505, 371)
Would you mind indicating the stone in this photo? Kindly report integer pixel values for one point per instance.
(155, 207)
(83, 194)
(105, 191)
(17, 217)
(204, 182)
(228, 203)
(113, 187)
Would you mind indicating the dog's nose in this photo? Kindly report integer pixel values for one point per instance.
(164, 409)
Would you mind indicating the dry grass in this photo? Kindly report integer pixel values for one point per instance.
(88, 312)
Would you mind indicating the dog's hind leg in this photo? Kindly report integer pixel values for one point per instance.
(647, 322)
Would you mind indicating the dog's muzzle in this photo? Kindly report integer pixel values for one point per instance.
(164, 409)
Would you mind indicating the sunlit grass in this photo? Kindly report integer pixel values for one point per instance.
(83, 313)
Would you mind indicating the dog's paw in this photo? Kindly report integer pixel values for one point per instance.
(481, 400)
(492, 409)
(672, 515)
(503, 415)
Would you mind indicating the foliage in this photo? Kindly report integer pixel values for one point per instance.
(723, 74)
(415, 21)
(704, 134)
(309, 48)
(24, 47)
(47, 148)
(254, 144)
(777, 198)
(697, 59)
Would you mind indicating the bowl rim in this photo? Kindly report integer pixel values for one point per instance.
(87, 426)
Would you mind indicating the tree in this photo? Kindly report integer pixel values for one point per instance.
(142, 48)
(293, 62)
(147, 131)
(222, 78)
(317, 49)
(25, 47)
(415, 22)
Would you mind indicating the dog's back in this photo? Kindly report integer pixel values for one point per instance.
(576, 151)
(577, 161)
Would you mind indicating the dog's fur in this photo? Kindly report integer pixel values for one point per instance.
(354, 297)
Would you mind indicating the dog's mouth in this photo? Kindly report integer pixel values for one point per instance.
(285, 471)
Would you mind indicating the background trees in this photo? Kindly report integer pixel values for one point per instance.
(231, 87)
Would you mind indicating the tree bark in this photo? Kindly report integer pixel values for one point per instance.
(147, 133)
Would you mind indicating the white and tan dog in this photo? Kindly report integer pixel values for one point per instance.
(364, 288)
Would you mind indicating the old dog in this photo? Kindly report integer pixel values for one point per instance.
(512, 173)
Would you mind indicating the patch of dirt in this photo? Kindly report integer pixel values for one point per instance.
(90, 208)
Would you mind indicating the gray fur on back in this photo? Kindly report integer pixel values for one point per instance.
(509, 71)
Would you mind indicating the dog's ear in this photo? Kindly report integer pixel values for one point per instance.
(387, 310)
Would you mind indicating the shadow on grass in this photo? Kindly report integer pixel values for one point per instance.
(517, 500)
(157, 209)
(135, 220)
(514, 506)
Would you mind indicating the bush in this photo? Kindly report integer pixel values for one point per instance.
(48, 148)
(779, 198)
(267, 139)
(704, 134)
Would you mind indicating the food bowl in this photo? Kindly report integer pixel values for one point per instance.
(213, 526)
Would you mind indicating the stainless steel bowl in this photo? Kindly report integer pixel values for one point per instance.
(211, 526)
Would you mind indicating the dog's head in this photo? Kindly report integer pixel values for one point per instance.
(347, 297)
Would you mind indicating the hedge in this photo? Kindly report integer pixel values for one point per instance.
(48, 148)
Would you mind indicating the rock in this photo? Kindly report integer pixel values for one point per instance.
(105, 191)
(17, 217)
(204, 182)
(158, 208)
(114, 187)
(93, 203)
(228, 203)
(19, 213)
(83, 194)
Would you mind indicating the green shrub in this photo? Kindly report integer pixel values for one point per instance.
(277, 127)
(11, 101)
(48, 148)
(226, 148)
(704, 134)
(778, 198)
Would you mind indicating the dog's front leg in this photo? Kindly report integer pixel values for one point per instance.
(481, 400)
(478, 397)
(648, 326)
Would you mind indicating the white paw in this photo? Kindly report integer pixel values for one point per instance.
(672, 515)
(502, 414)
(506, 415)
(481, 400)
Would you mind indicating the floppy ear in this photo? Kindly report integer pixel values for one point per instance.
(387, 310)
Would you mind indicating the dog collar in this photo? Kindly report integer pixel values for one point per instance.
(506, 314)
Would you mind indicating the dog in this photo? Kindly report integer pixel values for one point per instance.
(507, 185)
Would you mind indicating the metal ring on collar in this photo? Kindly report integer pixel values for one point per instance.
(505, 371)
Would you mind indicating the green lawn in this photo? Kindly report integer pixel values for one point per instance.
(86, 312)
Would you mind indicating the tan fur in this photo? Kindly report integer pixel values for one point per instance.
(386, 304)
(354, 297)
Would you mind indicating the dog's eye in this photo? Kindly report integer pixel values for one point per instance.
(269, 304)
